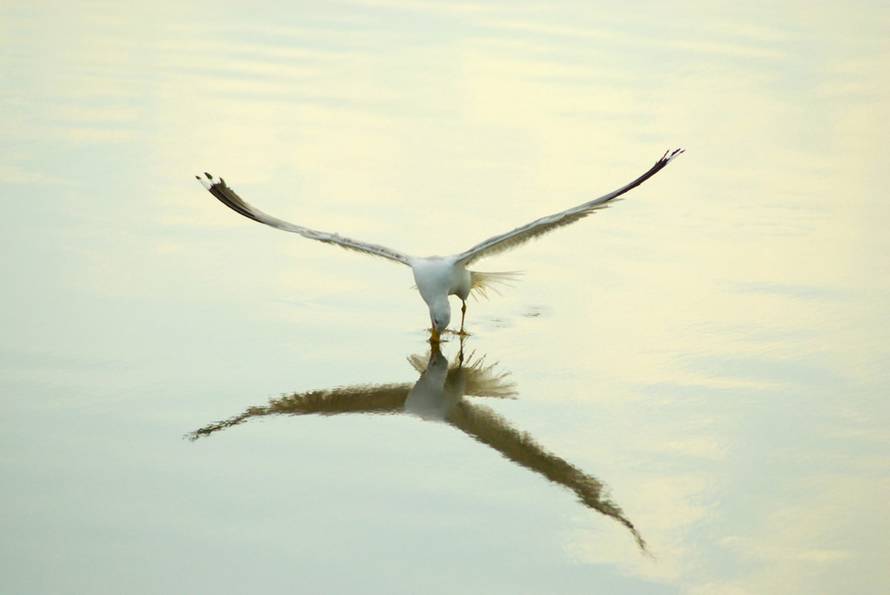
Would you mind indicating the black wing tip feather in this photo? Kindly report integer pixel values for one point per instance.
(218, 188)
(670, 154)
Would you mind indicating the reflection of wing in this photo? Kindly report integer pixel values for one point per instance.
(487, 427)
(218, 188)
(381, 399)
(520, 235)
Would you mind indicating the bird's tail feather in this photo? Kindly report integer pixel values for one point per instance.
(482, 283)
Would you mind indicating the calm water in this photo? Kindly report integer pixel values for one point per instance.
(684, 394)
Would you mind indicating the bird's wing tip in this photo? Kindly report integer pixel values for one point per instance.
(208, 180)
(671, 154)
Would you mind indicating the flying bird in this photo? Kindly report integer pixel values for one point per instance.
(438, 277)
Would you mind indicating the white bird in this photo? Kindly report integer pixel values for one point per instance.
(438, 277)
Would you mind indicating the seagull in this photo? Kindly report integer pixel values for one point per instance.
(438, 277)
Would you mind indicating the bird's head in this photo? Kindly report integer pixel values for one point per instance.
(440, 316)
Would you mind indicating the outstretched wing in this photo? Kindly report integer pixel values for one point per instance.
(218, 188)
(520, 235)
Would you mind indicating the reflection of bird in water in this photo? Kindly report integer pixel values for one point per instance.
(438, 395)
(438, 277)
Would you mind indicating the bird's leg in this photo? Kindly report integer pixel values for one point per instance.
(463, 314)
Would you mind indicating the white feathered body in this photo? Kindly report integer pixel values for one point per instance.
(438, 276)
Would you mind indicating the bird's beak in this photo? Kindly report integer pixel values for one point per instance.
(434, 336)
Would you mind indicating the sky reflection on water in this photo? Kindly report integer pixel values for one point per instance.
(714, 348)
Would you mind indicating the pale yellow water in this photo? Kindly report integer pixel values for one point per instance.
(706, 361)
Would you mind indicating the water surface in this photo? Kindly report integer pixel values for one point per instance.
(684, 394)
